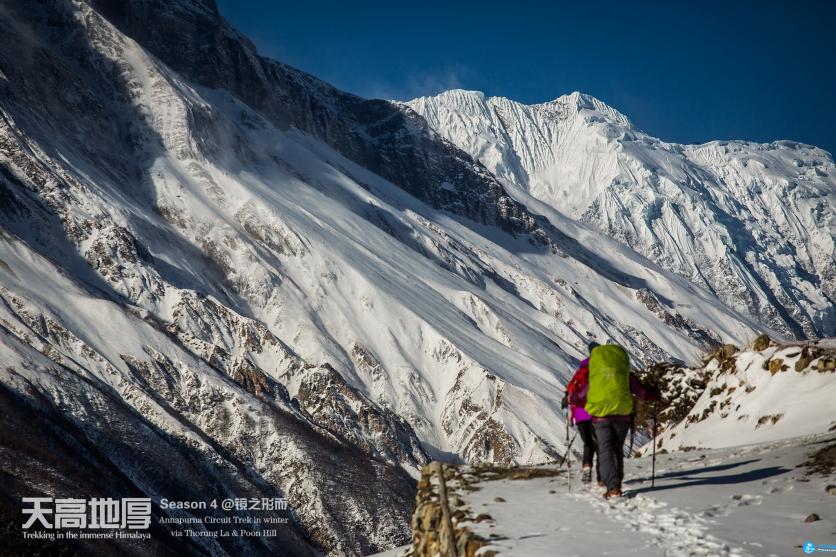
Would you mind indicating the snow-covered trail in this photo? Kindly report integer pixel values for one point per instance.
(753, 497)
(743, 501)
(542, 517)
(568, 521)
(675, 532)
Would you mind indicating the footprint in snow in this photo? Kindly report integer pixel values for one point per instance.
(678, 532)
(745, 500)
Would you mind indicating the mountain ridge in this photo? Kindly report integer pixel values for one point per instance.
(751, 222)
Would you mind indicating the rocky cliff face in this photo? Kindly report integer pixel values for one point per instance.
(377, 135)
(220, 276)
(753, 223)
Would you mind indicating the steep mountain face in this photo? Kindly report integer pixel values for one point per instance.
(221, 277)
(752, 223)
(373, 133)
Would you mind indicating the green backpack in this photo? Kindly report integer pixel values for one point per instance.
(609, 382)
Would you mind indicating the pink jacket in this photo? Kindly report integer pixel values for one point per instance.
(578, 399)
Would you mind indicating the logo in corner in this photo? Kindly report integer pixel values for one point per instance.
(809, 547)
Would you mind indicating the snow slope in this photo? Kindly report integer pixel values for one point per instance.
(753, 223)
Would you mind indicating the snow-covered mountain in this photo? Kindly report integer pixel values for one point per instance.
(752, 223)
(221, 277)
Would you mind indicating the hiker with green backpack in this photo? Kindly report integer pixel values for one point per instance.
(609, 401)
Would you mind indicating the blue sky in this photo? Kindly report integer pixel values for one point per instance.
(681, 70)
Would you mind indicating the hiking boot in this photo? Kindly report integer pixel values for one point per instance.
(601, 484)
(612, 493)
(586, 474)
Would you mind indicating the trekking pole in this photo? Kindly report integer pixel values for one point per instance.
(653, 459)
(569, 465)
(568, 448)
(567, 425)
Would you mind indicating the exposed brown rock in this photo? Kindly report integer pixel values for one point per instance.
(823, 462)
(804, 360)
(727, 351)
(761, 343)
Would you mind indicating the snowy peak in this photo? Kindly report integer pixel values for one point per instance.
(582, 104)
(564, 107)
(526, 145)
(753, 223)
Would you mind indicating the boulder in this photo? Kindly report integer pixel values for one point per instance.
(727, 351)
(761, 343)
(804, 360)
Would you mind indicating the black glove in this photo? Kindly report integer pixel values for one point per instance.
(564, 401)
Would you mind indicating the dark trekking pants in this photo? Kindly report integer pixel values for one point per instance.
(587, 433)
(611, 435)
